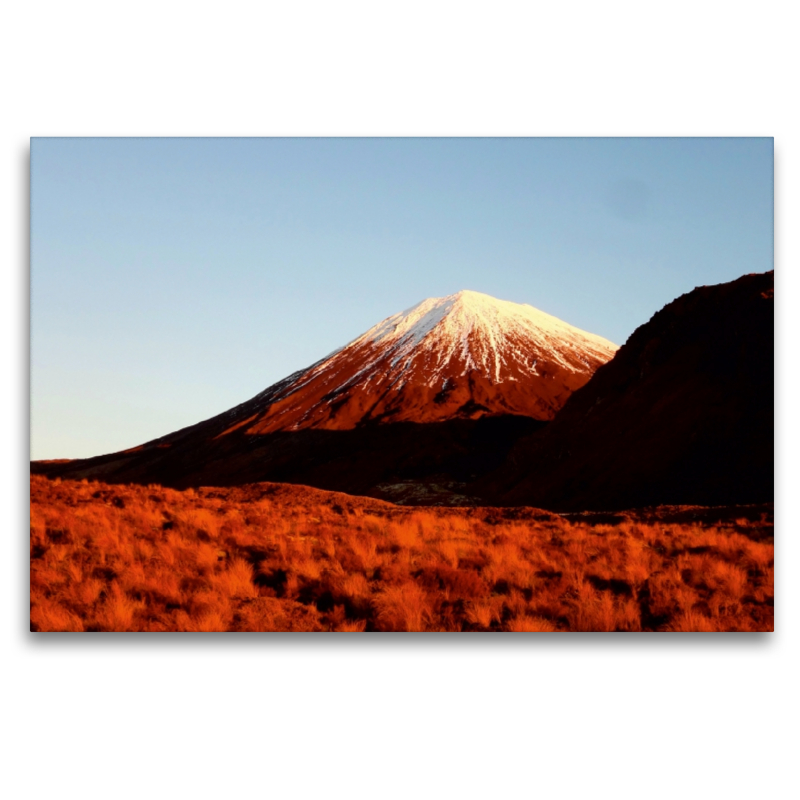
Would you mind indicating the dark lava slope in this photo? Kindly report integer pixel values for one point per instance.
(683, 414)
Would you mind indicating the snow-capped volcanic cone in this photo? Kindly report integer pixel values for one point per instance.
(464, 356)
(463, 377)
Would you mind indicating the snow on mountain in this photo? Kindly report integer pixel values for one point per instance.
(484, 334)
(467, 355)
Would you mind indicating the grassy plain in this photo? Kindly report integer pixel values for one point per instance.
(276, 557)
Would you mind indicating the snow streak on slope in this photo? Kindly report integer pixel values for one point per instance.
(483, 334)
(466, 355)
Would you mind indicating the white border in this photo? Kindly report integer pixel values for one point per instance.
(613, 717)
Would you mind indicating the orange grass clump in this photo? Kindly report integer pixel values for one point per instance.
(277, 557)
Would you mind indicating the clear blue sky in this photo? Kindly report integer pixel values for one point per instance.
(174, 278)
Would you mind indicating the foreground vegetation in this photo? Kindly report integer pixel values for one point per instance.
(276, 557)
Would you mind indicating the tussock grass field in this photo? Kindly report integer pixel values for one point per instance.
(277, 557)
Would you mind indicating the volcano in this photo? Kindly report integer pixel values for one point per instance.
(443, 387)
(464, 356)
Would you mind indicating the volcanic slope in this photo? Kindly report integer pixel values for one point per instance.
(682, 415)
(459, 357)
(458, 378)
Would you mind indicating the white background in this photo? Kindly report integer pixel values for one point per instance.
(227, 716)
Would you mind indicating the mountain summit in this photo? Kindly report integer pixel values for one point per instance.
(464, 356)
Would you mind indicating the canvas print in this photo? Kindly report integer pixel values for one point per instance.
(375, 385)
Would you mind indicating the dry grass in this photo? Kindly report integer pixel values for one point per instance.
(271, 557)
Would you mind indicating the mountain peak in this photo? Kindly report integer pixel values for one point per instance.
(468, 296)
(458, 319)
(464, 355)
(475, 302)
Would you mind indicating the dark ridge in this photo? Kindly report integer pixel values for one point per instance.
(683, 414)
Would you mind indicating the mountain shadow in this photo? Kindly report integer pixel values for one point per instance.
(375, 460)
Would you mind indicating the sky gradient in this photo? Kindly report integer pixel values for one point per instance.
(174, 278)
